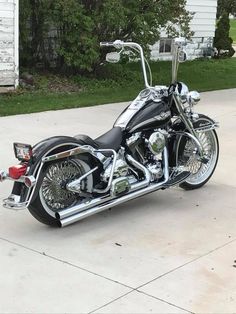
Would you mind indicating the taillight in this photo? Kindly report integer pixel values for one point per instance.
(15, 172)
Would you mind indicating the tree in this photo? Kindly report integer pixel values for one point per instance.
(33, 29)
(227, 6)
(81, 24)
(222, 40)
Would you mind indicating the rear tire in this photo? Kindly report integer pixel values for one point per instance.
(52, 194)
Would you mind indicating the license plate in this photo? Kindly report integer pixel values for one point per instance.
(23, 152)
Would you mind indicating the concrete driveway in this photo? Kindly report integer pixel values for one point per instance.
(168, 252)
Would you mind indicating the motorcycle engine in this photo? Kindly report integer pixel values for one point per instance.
(121, 170)
(148, 148)
(157, 142)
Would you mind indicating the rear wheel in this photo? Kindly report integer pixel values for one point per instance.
(52, 195)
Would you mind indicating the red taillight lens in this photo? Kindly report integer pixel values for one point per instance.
(15, 172)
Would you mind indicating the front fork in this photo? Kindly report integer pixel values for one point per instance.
(189, 126)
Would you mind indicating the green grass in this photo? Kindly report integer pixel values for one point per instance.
(37, 102)
(233, 30)
(202, 75)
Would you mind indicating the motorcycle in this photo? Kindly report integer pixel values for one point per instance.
(157, 142)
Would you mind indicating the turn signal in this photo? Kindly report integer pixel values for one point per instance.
(3, 175)
(15, 172)
(30, 181)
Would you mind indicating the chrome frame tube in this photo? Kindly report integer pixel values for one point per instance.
(112, 170)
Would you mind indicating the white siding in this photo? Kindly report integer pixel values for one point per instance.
(203, 23)
(203, 26)
(9, 42)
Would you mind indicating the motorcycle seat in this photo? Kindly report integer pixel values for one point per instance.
(110, 140)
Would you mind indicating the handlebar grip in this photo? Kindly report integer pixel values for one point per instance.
(106, 43)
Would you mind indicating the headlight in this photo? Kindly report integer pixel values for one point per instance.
(193, 98)
(182, 90)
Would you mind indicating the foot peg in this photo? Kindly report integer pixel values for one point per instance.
(178, 179)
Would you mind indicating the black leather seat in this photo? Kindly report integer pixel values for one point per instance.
(111, 139)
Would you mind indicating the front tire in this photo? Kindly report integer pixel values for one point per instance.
(201, 172)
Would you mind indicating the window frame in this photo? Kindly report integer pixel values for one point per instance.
(165, 39)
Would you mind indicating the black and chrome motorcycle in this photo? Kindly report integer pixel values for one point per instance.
(157, 142)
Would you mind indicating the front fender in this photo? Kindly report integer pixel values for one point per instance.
(178, 125)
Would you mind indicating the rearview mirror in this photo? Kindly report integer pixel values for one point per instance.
(113, 57)
(182, 56)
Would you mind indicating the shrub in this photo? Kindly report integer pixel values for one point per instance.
(222, 41)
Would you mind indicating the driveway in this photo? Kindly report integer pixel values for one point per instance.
(171, 251)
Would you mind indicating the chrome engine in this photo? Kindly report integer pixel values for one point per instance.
(157, 142)
(121, 170)
(156, 170)
(149, 149)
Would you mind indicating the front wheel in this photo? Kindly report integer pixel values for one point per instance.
(200, 172)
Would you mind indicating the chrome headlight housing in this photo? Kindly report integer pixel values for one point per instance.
(193, 98)
(183, 91)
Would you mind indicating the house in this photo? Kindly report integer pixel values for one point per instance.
(9, 47)
(203, 26)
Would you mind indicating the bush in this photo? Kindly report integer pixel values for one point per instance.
(67, 33)
(223, 42)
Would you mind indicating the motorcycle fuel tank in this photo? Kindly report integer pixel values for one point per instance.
(152, 115)
(144, 112)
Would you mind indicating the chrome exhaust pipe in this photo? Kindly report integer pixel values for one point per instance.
(101, 200)
(114, 202)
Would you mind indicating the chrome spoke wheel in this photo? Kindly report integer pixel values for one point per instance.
(200, 172)
(53, 193)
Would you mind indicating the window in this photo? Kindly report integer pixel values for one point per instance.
(165, 45)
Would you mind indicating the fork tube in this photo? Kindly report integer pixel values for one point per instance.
(186, 121)
(175, 63)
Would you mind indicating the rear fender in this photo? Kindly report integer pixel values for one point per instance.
(42, 149)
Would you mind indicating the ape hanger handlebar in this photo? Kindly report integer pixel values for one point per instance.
(119, 44)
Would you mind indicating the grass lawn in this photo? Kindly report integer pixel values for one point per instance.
(202, 75)
(233, 30)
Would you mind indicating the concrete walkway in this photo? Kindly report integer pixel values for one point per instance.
(168, 252)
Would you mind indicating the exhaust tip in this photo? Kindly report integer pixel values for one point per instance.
(59, 224)
(57, 215)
